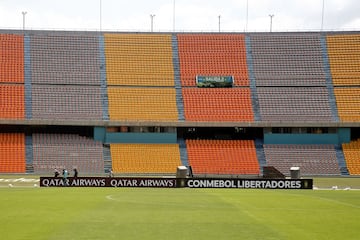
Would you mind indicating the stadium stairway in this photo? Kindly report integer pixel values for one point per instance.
(176, 63)
(179, 98)
(254, 96)
(103, 84)
(183, 152)
(260, 154)
(29, 154)
(27, 76)
(329, 82)
(107, 158)
(341, 160)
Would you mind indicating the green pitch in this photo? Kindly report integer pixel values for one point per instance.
(148, 213)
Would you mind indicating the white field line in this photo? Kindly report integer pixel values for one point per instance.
(19, 180)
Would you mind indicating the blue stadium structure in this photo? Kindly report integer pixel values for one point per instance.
(131, 102)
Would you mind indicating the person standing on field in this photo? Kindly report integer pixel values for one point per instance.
(65, 176)
(56, 173)
(75, 173)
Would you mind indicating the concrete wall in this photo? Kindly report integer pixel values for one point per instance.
(100, 134)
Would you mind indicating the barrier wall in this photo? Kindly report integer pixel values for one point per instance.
(284, 138)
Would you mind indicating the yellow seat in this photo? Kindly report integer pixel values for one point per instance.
(344, 59)
(352, 156)
(348, 103)
(139, 60)
(145, 158)
(155, 104)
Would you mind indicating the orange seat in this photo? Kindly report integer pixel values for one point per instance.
(11, 58)
(12, 153)
(223, 157)
(212, 54)
(12, 101)
(216, 104)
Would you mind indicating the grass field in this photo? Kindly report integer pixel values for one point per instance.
(149, 213)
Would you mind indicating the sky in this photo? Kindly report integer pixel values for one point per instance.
(181, 15)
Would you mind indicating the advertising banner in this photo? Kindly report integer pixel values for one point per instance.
(214, 81)
(251, 183)
(177, 182)
(107, 182)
